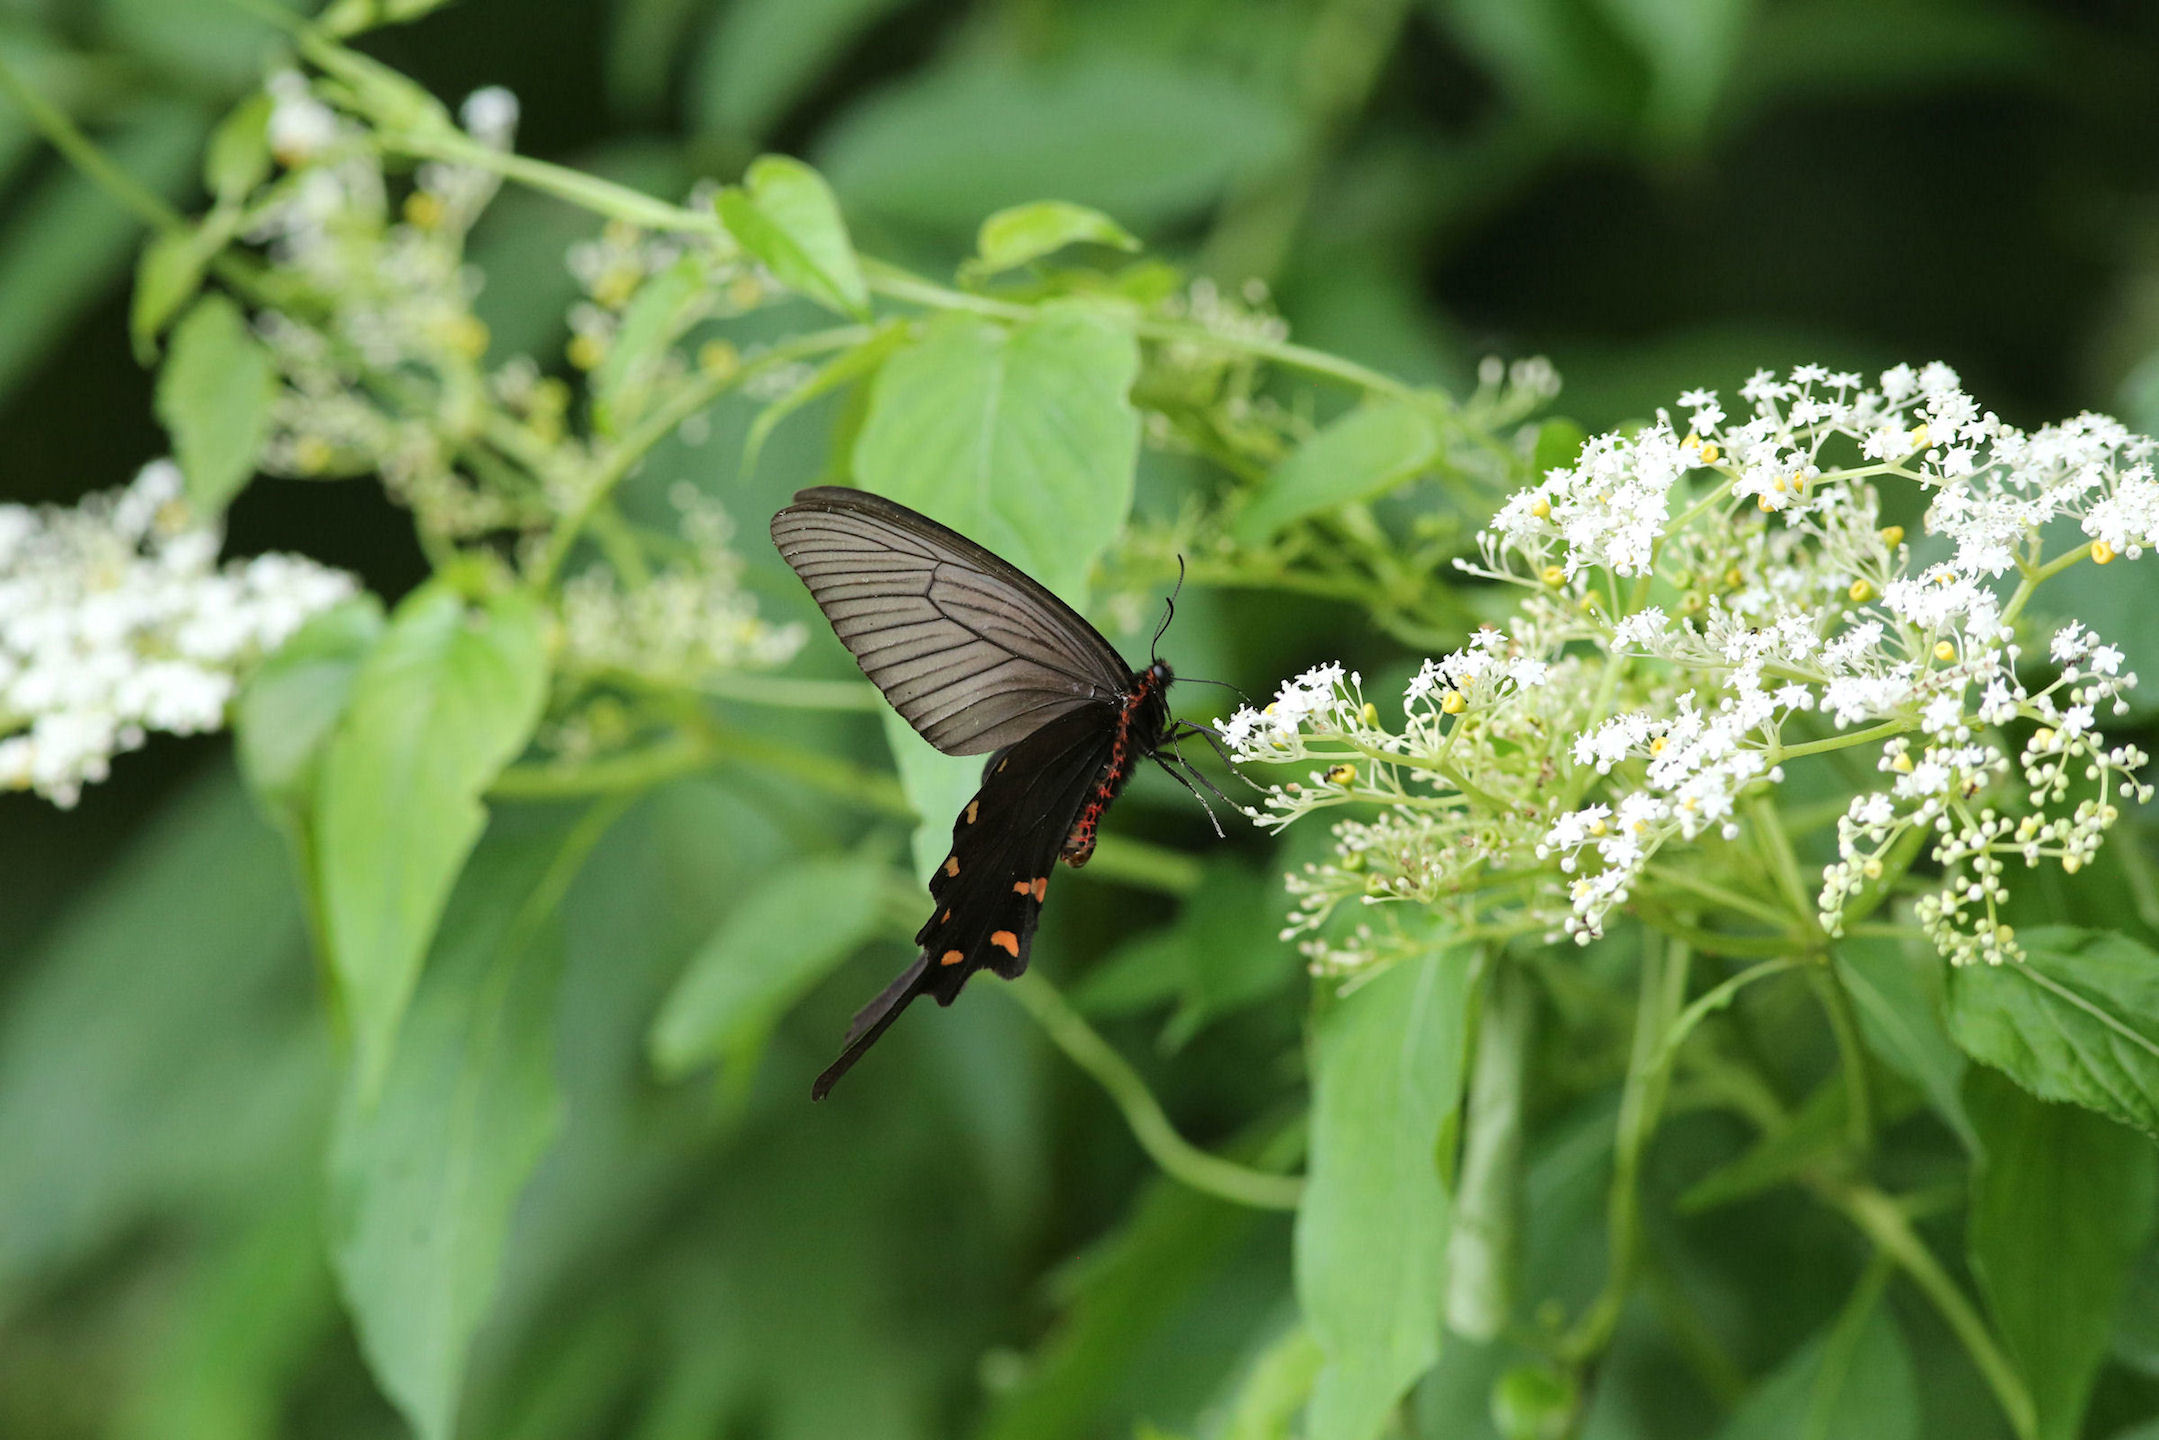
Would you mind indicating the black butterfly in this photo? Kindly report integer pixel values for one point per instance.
(977, 657)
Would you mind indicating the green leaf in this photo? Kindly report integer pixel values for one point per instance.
(214, 394)
(1144, 139)
(1117, 1299)
(843, 369)
(664, 307)
(283, 722)
(1852, 1382)
(445, 700)
(425, 1175)
(784, 214)
(1365, 453)
(1690, 46)
(1022, 438)
(2136, 1330)
(1274, 1389)
(290, 707)
(2060, 1208)
(1371, 1237)
(936, 785)
(1559, 445)
(763, 55)
(247, 1320)
(788, 932)
(1014, 236)
(197, 47)
(166, 278)
(238, 156)
(1898, 992)
(2077, 1021)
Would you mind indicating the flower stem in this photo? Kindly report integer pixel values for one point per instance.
(1883, 731)
(1884, 1223)
(1663, 989)
(785, 692)
(1844, 1025)
(618, 461)
(82, 152)
(1178, 1157)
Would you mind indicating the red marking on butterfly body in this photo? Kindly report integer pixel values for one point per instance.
(1123, 758)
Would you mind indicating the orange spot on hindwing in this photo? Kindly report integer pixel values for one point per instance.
(1021, 887)
(950, 957)
(1008, 942)
(952, 865)
(972, 807)
(1041, 887)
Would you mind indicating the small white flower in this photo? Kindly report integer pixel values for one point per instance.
(490, 115)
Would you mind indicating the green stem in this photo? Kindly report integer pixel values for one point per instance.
(784, 692)
(1783, 863)
(1844, 1025)
(587, 192)
(562, 870)
(1781, 753)
(1719, 895)
(1663, 989)
(1178, 1157)
(2037, 575)
(1716, 999)
(627, 773)
(65, 136)
(1884, 1223)
(872, 790)
(1143, 865)
(616, 463)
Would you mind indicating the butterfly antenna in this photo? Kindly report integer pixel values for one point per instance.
(1196, 680)
(1169, 613)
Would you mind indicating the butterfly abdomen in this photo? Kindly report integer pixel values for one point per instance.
(1139, 727)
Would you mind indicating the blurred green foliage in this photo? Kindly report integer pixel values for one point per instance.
(1655, 193)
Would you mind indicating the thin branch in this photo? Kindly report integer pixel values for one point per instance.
(1178, 1157)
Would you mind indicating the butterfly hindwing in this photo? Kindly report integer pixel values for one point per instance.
(988, 894)
(971, 652)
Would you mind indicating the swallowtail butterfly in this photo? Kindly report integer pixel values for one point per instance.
(980, 659)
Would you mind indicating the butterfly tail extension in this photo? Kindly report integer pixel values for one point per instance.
(872, 1020)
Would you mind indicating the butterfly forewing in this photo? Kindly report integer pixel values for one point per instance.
(975, 655)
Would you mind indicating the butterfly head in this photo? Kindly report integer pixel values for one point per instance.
(1159, 675)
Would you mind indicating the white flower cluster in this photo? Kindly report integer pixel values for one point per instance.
(1737, 605)
(380, 351)
(116, 620)
(386, 365)
(682, 625)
